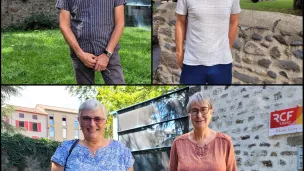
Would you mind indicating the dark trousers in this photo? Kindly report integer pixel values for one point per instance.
(200, 74)
(85, 75)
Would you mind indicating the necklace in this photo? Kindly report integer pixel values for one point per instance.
(94, 152)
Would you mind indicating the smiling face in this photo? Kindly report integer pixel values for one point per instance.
(200, 114)
(93, 129)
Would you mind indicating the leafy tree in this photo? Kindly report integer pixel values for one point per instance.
(7, 110)
(118, 97)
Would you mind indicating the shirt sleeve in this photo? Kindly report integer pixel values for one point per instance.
(62, 4)
(173, 163)
(181, 7)
(235, 9)
(119, 2)
(129, 160)
(61, 154)
(230, 158)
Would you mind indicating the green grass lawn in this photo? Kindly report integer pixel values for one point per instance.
(42, 57)
(283, 6)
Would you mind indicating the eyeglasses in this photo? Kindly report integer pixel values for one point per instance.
(195, 111)
(88, 119)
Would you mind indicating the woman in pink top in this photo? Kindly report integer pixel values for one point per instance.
(202, 148)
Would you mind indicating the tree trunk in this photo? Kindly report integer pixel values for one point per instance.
(297, 4)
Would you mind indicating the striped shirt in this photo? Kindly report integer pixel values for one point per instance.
(92, 22)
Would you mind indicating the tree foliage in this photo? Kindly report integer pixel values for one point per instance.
(118, 97)
(7, 110)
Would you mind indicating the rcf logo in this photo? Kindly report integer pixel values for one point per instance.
(283, 118)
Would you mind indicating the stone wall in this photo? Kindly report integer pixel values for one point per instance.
(242, 112)
(268, 48)
(15, 11)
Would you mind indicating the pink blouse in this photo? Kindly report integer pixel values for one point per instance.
(217, 155)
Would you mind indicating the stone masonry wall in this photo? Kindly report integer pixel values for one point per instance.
(242, 112)
(15, 11)
(267, 50)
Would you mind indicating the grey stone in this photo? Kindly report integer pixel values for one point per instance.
(236, 145)
(252, 48)
(295, 40)
(167, 46)
(282, 162)
(288, 153)
(267, 163)
(277, 144)
(224, 95)
(266, 45)
(249, 163)
(237, 57)
(245, 153)
(255, 128)
(256, 36)
(238, 65)
(264, 62)
(239, 121)
(298, 80)
(285, 82)
(246, 96)
(160, 11)
(237, 44)
(295, 141)
(268, 38)
(239, 162)
(268, 81)
(281, 39)
(215, 118)
(287, 52)
(246, 128)
(250, 118)
(273, 154)
(246, 78)
(298, 53)
(274, 52)
(285, 33)
(272, 74)
(284, 74)
(242, 35)
(275, 23)
(245, 137)
(237, 152)
(257, 137)
(159, 20)
(264, 144)
(165, 31)
(242, 112)
(243, 89)
(251, 145)
(301, 33)
(289, 65)
(247, 60)
(172, 22)
(278, 95)
(240, 105)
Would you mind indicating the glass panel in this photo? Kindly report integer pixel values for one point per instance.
(21, 124)
(63, 121)
(52, 133)
(35, 127)
(34, 116)
(51, 120)
(163, 109)
(76, 134)
(152, 160)
(21, 115)
(75, 122)
(64, 133)
(160, 135)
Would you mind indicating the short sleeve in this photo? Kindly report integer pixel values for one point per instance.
(230, 158)
(61, 153)
(62, 4)
(173, 163)
(181, 7)
(119, 2)
(129, 160)
(235, 9)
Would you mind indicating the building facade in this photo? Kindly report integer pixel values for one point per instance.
(50, 122)
(242, 112)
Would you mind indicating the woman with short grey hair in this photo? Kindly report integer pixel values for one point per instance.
(202, 148)
(94, 152)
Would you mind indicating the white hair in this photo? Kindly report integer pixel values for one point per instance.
(92, 104)
(198, 97)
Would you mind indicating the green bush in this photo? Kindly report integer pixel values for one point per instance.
(18, 147)
(38, 22)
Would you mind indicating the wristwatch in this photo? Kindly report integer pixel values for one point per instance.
(109, 54)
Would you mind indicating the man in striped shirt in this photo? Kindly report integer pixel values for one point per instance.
(92, 29)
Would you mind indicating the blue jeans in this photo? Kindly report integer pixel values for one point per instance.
(200, 74)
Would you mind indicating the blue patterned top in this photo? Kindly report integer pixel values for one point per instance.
(114, 157)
